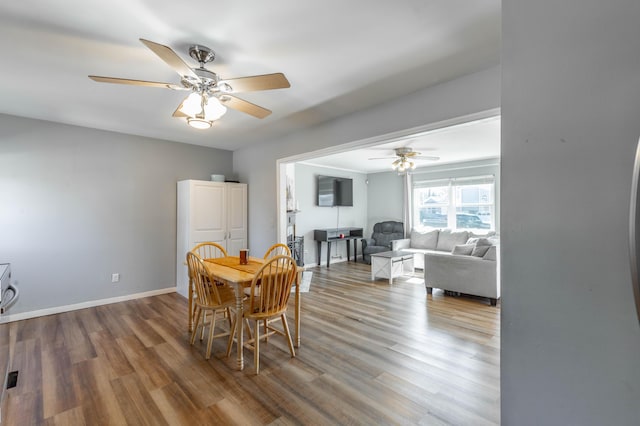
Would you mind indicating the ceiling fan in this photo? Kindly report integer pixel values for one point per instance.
(405, 159)
(210, 94)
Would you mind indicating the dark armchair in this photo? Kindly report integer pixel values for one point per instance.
(383, 234)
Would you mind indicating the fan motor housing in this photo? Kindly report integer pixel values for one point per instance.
(207, 80)
(202, 54)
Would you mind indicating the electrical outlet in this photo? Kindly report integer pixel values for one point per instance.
(115, 278)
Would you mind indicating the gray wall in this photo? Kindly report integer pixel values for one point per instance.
(570, 109)
(257, 165)
(80, 204)
(385, 198)
(313, 217)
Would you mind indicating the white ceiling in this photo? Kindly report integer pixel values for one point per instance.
(470, 141)
(340, 57)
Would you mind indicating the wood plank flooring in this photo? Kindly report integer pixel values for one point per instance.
(371, 354)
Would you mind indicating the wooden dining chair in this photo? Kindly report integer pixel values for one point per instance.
(206, 250)
(210, 298)
(275, 278)
(209, 250)
(273, 251)
(277, 250)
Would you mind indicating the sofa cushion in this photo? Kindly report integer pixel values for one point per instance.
(464, 249)
(448, 239)
(486, 235)
(424, 240)
(491, 254)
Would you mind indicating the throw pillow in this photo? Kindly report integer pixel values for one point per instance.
(491, 254)
(463, 249)
(424, 240)
(448, 239)
(481, 248)
(480, 251)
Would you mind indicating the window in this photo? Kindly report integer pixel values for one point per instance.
(462, 203)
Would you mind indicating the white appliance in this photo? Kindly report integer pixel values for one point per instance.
(8, 297)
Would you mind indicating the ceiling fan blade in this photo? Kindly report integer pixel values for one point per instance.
(412, 154)
(258, 82)
(383, 158)
(426, 157)
(171, 58)
(178, 112)
(244, 106)
(101, 79)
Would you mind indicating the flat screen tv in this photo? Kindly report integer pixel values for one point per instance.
(335, 191)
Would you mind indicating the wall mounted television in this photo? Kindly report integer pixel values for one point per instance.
(334, 191)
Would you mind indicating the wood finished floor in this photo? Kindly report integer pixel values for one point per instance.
(371, 354)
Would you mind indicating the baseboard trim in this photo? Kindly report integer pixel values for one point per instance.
(83, 305)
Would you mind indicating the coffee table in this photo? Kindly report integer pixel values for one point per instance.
(391, 264)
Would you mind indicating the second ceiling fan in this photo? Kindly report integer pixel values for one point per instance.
(405, 159)
(210, 94)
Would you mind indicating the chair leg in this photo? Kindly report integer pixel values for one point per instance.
(211, 329)
(285, 326)
(190, 303)
(266, 331)
(232, 334)
(228, 315)
(256, 348)
(204, 321)
(248, 329)
(196, 323)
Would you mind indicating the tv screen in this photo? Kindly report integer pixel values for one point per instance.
(326, 196)
(344, 192)
(335, 191)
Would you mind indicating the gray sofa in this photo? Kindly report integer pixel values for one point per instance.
(464, 274)
(435, 240)
(381, 238)
(456, 261)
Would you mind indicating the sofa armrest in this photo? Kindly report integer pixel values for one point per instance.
(400, 244)
(366, 242)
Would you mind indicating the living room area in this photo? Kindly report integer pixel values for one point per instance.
(454, 185)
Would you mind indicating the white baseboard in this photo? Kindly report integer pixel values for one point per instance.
(83, 305)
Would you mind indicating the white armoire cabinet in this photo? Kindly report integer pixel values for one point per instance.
(209, 211)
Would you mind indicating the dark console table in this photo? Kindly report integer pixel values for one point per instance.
(334, 234)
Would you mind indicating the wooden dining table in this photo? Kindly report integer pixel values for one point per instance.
(229, 270)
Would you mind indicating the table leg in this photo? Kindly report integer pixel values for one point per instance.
(296, 341)
(239, 323)
(328, 252)
(318, 251)
(348, 250)
(355, 251)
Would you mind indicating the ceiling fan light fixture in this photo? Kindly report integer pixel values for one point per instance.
(192, 106)
(213, 109)
(199, 123)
